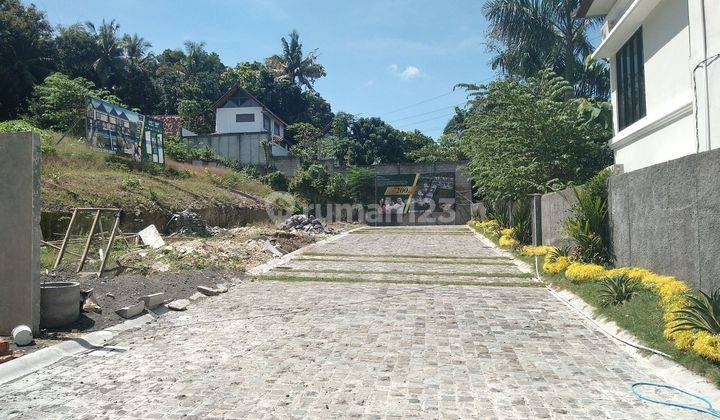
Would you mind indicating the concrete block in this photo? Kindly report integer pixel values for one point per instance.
(132, 310)
(207, 291)
(154, 300)
(197, 296)
(179, 304)
(19, 231)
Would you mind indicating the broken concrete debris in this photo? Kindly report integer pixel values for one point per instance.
(151, 237)
(190, 223)
(5, 353)
(179, 304)
(222, 287)
(208, 291)
(154, 300)
(132, 310)
(310, 224)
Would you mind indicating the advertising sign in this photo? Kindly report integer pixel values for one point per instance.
(121, 131)
(415, 193)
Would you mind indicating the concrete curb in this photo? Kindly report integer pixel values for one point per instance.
(670, 371)
(25, 365)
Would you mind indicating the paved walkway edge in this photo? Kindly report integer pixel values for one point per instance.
(672, 372)
(25, 365)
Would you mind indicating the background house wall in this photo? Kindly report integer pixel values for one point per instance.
(668, 129)
(225, 120)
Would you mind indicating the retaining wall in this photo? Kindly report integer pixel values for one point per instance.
(666, 217)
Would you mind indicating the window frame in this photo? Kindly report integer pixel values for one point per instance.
(630, 81)
(251, 114)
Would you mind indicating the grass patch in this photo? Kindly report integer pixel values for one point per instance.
(402, 260)
(421, 273)
(290, 278)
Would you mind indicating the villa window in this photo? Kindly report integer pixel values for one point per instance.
(277, 128)
(244, 117)
(630, 81)
(266, 122)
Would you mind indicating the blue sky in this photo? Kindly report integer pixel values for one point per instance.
(382, 56)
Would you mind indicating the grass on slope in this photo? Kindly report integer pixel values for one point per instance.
(77, 175)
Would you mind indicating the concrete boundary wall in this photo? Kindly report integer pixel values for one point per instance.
(666, 217)
(555, 210)
(19, 231)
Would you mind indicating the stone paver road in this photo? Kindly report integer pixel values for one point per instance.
(395, 338)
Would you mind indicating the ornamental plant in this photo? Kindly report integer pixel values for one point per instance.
(617, 290)
(701, 313)
(580, 272)
(556, 265)
(539, 250)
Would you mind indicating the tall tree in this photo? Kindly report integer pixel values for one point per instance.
(110, 53)
(531, 35)
(25, 54)
(135, 48)
(292, 66)
(76, 51)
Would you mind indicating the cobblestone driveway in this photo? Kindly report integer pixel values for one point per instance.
(276, 349)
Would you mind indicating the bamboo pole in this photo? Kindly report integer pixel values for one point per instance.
(109, 245)
(89, 239)
(65, 241)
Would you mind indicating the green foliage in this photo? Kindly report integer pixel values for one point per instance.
(177, 149)
(617, 290)
(25, 51)
(131, 182)
(305, 140)
(521, 222)
(59, 102)
(587, 228)
(527, 36)
(523, 136)
(361, 185)
(47, 146)
(562, 251)
(292, 66)
(310, 183)
(702, 313)
(336, 190)
(277, 181)
(446, 148)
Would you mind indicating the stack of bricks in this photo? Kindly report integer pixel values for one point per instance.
(5, 353)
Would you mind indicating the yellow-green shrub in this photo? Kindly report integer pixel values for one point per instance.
(507, 241)
(554, 267)
(579, 272)
(539, 250)
(707, 345)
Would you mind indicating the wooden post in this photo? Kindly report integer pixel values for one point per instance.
(109, 245)
(65, 241)
(89, 239)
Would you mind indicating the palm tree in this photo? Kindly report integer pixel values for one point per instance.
(531, 35)
(292, 66)
(110, 53)
(135, 48)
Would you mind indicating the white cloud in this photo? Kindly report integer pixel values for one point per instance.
(410, 72)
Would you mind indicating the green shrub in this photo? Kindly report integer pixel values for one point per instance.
(47, 146)
(277, 181)
(361, 185)
(588, 226)
(617, 290)
(336, 190)
(131, 182)
(177, 149)
(310, 183)
(702, 313)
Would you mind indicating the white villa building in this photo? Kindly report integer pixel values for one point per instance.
(237, 111)
(665, 76)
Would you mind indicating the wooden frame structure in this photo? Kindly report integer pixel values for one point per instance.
(96, 221)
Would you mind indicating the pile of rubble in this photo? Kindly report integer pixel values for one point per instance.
(309, 224)
(190, 223)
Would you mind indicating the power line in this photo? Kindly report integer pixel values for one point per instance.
(418, 103)
(425, 113)
(426, 120)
